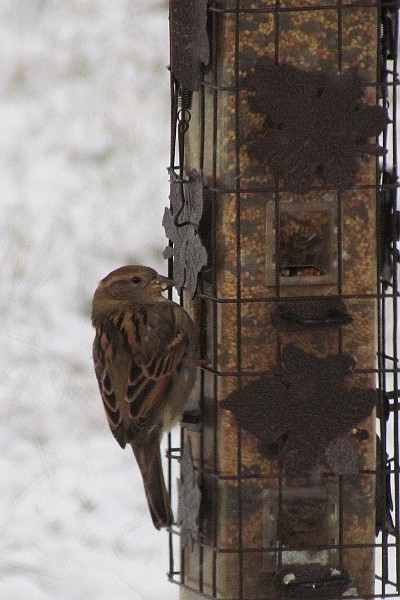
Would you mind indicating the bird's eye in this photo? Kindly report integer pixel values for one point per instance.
(136, 280)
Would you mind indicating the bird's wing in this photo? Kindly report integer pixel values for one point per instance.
(136, 353)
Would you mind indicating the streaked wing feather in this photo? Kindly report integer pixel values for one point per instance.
(107, 393)
(148, 380)
(154, 360)
(166, 361)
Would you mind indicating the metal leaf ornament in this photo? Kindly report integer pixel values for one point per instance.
(304, 412)
(181, 223)
(189, 498)
(389, 228)
(316, 125)
(189, 41)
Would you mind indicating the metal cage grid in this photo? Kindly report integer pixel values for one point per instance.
(213, 86)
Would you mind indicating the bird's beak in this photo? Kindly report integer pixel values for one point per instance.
(160, 284)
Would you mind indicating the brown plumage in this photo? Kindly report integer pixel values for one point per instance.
(144, 356)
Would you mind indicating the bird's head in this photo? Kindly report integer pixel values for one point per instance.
(130, 284)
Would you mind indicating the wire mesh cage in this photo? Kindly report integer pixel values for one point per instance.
(284, 230)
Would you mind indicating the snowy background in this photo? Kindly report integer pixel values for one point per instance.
(84, 141)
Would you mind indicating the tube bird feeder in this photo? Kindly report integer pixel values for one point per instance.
(284, 228)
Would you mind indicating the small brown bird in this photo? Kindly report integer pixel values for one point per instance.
(145, 356)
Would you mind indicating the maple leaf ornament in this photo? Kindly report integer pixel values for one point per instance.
(189, 498)
(181, 222)
(316, 124)
(305, 412)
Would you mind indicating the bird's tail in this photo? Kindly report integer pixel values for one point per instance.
(149, 461)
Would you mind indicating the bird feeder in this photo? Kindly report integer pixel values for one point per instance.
(283, 228)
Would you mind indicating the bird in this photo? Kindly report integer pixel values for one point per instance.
(145, 357)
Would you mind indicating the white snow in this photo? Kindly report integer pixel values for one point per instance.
(84, 142)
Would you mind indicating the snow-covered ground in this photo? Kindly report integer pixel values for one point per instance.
(84, 140)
